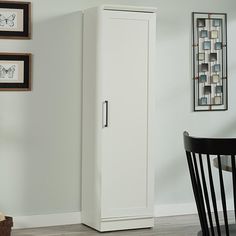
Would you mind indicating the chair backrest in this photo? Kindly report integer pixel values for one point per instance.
(202, 154)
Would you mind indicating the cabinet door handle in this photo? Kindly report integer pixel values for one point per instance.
(105, 114)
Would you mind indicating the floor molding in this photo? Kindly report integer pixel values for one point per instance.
(75, 217)
(35, 221)
(175, 209)
(186, 208)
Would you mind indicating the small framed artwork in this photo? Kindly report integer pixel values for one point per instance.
(216, 68)
(215, 78)
(202, 78)
(209, 61)
(216, 22)
(207, 45)
(207, 89)
(219, 89)
(203, 101)
(217, 100)
(15, 71)
(201, 56)
(15, 20)
(213, 57)
(203, 33)
(218, 46)
(214, 34)
(204, 67)
(201, 23)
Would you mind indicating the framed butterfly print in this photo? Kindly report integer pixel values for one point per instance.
(15, 71)
(15, 22)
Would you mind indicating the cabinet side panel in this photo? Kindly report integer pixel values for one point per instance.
(90, 180)
(151, 110)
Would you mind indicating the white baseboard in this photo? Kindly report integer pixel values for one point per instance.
(175, 209)
(186, 209)
(46, 220)
(35, 221)
(75, 217)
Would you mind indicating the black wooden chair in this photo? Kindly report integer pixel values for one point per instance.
(204, 154)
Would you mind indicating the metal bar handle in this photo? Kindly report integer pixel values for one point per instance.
(105, 114)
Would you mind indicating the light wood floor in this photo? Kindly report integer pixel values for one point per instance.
(164, 226)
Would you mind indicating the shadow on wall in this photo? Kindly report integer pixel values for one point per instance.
(48, 172)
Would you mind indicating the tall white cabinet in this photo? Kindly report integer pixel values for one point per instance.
(118, 69)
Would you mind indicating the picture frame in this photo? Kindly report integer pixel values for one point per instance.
(15, 71)
(207, 89)
(217, 100)
(213, 57)
(218, 46)
(209, 61)
(202, 79)
(216, 68)
(219, 89)
(203, 33)
(203, 101)
(201, 23)
(215, 78)
(201, 56)
(15, 20)
(204, 67)
(206, 45)
(216, 22)
(214, 34)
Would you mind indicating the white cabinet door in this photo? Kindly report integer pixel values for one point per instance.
(125, 61)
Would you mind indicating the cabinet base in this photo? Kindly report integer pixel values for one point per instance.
(123, 224)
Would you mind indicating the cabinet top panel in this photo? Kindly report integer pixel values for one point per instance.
(128, 8)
